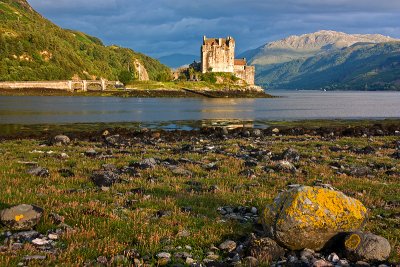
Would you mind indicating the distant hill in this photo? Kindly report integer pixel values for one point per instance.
(329, 60)
(178, 60)
(33, 48)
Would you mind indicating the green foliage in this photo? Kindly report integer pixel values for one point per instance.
(33, 48)
(209, 77)
(125, 77)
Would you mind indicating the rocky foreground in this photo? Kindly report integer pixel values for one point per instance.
(215, 197)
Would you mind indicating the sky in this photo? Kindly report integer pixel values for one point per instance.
(163, 27)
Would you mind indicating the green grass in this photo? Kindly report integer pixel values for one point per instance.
(104, 227)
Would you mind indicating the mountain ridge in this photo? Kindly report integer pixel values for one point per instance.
(328, 60)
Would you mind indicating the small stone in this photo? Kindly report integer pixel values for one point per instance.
(64, 156)
(257, 132)
(25, 236)
(285, 166)
(322, 263)
(21, 217)
(213, 257)
(102, 260)
(275, 130)
(164, 255)
(333, 258)
(91, 153)
(60, 140)
(34, 258)
(228, 246)
(254, 210)
(105, 178)
(40, 241)
(39, 171)
(53, 236)
(189, 261)
(265, 250)
(291, 155)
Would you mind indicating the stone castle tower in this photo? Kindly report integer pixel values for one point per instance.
(218, 55)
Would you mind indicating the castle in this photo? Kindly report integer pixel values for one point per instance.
(218, 55)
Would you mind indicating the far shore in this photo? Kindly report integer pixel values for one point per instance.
(142, 93)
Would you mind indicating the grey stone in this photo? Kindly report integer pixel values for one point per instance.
(91, 153)
(60, 140)
(227, 246)
(21, 217)
(39, 171)
(25, 236)
(265, 250)
(285, 166)
(34, 258)
(164, 255)
(105, 178)
(291, 154)
(367, 247)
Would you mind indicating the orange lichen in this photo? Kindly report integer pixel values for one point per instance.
(19, 217)
(319, 207)
(353, 241)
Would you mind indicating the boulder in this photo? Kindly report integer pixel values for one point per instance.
(265, 250)
(308, 217)
(21, 217)
(60, 140)
(105, 178)
(368, 247)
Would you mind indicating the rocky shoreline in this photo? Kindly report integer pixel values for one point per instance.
(281, 196)
(156, 93)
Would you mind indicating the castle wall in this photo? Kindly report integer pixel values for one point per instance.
(246, 73)
(59, 85)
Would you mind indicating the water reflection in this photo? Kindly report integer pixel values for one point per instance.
(294, 106)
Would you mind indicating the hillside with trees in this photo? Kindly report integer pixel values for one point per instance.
(33, 48)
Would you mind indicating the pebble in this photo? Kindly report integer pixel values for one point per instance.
(227, 246)
(40, 241)
(34, 257)
(53, 236)
(164, 255)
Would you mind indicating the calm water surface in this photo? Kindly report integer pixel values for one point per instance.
(292, 106)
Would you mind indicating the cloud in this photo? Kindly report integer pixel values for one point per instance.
(160, 27)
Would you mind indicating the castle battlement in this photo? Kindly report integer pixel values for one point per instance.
(218, 55)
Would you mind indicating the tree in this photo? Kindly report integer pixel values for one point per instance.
(125, 77)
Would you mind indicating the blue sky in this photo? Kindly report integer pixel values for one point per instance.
(162, 27)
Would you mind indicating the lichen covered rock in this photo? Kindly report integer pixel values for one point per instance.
(366, 247)
(21, 217)
(308, 217)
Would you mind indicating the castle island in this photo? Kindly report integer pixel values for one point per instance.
(218, 55)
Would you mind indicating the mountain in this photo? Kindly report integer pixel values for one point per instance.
(178, 60)
(33, 48)
(330, 60)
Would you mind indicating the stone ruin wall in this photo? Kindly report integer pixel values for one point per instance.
(57, 85)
